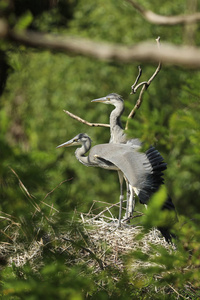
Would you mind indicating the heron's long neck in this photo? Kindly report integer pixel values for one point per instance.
(80, 153)
(116, 129)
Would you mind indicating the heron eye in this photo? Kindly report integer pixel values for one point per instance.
(75, 140)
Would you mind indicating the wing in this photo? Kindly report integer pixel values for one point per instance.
(142, 170)
(134, 165)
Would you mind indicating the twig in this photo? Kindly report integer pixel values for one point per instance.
(6, 235)
(84, 121)
(145, 84)
(49, 206)
(165, 20)
(159, 64)
(179, 295)
(134, 89)
(88, 250)
(89, 212)
(136, 81)
(10, 216)
(133, 217)
(29, 196)
(105, 202)
(22, 186)
(55, 188)
(106, 209)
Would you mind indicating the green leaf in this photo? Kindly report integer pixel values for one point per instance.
(24, 21)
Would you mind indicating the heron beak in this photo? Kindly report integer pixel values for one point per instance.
(103, 99)
(66, 144)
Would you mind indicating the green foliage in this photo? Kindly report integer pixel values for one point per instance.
(39, 85)
(24, 21)
(54, 281)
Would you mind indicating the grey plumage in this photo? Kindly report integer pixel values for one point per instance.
(117, 136)
(154, 179)
(137, 168)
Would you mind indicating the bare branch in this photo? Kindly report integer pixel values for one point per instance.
(84, 121)
(159, 65)
(145, 84)
(137, 105)
(177, 55)
(133, 90)
(151, 17)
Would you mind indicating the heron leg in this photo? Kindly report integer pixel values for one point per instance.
(131, 205)
(120, 174)
(127, 197)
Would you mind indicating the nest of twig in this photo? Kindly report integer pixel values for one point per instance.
(109, 242)
(103, 245)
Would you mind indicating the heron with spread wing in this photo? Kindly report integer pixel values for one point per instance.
(143, 171)
(117, 135)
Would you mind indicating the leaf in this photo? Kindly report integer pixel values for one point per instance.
(24, 21)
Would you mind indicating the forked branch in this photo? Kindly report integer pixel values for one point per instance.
(134, 87)
(145, 85)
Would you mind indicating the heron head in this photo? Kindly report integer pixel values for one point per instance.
(112, 98)
(79, 139)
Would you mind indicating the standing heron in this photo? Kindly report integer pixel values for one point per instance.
(142, 171)
(117, 135)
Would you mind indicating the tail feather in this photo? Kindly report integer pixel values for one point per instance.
(152, 183)
(153, 180)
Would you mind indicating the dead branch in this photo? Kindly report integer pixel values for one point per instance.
(84, 121)
(151, 17)
(133, 87)
(175, 55)
(145, 85)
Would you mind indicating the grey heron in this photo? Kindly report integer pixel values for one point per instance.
(143, 171)
(117, 135)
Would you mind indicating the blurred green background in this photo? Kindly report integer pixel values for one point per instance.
(36, 86)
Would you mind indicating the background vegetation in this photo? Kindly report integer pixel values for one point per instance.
(36, 85)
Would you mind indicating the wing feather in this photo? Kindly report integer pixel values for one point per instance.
(143, 170)
(133, 164)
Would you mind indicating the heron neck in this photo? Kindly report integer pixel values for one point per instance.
(80, 152)
(115, 122)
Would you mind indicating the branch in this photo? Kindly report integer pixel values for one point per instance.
(175, 55)
(151, 17)
(133, 87)
(145, 84)
(84, 121)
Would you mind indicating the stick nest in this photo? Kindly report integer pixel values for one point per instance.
(98, 242)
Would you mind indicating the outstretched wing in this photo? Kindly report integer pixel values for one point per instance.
(134, 165)
(142, 170)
